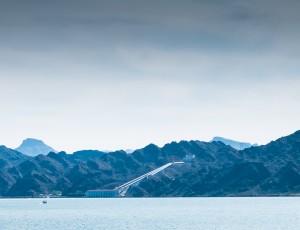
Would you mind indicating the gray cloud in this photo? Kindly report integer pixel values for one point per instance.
(150, 71)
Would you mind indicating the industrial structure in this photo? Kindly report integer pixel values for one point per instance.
(121, 190)
(102, 193)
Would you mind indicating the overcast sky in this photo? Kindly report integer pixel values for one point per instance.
(118, 74)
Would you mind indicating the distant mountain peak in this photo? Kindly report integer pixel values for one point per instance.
(234, 144)
(34, 147)
(29, 141)
(129, 151)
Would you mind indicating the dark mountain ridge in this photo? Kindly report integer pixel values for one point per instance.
(213, 169)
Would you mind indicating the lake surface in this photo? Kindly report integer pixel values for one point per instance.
(151, 213)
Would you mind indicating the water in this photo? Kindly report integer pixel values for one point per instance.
(148, 213)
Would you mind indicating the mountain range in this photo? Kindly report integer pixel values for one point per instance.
(35, 147)
(215, 169)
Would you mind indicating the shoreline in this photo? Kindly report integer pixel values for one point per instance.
(168, 197)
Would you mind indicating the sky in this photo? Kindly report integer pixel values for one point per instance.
(116, 74)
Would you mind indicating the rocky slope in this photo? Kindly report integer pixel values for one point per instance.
(213, 169)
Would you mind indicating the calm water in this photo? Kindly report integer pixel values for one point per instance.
(143, 213)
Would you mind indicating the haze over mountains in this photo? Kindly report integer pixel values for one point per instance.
(34, 147)
(234, 144)
(215, 170)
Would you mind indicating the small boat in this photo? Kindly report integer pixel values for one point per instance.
(45, 202)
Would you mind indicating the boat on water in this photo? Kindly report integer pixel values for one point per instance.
(45, 202)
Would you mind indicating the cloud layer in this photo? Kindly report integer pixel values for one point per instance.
(116, 74)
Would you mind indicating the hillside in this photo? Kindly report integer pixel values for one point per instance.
(215, 169)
